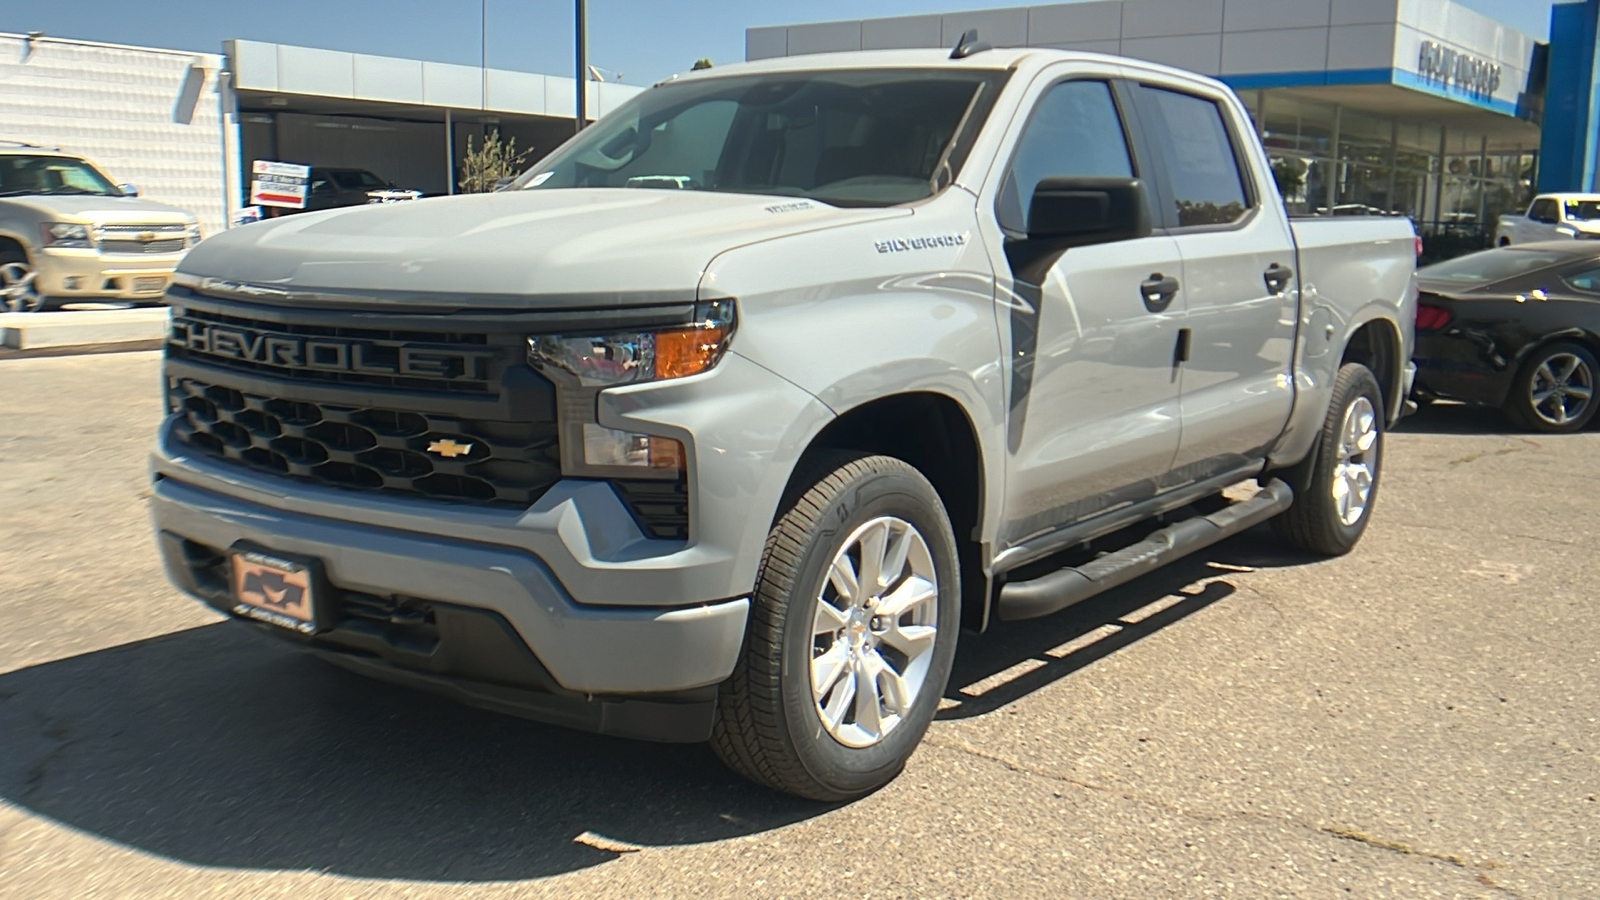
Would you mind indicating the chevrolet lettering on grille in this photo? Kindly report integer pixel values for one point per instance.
(293, 351)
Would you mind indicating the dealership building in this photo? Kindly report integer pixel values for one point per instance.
(184, 127)
(1419, 107)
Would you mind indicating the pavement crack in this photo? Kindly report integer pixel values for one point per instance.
(1480, 869)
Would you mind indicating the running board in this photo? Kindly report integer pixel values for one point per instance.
(1064, 587)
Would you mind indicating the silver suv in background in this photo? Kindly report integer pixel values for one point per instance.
(67, 233)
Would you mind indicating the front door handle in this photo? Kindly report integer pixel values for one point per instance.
(1277, 277)
(1158, 290)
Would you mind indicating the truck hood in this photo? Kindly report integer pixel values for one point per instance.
(93, 210)
(515, 249)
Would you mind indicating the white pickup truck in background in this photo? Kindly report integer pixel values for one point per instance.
(1551, 217)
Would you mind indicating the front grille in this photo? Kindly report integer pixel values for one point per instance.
(128, 238)
(368, 449)
(453, 362)
(171, 245)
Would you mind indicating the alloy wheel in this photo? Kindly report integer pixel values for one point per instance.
(1355, 470)
(873, 631)
(1562, 389)
(17, 292)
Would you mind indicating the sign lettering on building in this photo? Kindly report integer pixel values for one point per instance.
(1452, 68)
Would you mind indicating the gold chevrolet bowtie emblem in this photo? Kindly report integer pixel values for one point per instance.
(147, 236)
(449, 449)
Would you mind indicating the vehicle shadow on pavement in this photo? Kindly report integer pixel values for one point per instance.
(1014, 659)
(1460, 419)
(217, 747)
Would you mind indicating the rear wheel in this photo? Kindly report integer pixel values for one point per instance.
(851, 636)
(17, 291)
(1336, 486)
(1554, 392)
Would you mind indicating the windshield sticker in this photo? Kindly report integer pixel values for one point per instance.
(921, 243)
(789, 207)
(541, 178)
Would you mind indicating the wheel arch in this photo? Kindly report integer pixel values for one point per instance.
(935, 434)
(1377, 344)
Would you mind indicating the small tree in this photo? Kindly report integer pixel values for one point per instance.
(483, 167)
(701, 63)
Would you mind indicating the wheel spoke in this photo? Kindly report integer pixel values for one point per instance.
(874, 544)
(839, 700)
(827, 669)
(842, 575)
(911, 593)
(828, 618)
(894, 559)
(1569, 364)
(892, 688)
(869, 703)
(1579, 392)
(1540, 398)
(912, 640)
(1546, 373)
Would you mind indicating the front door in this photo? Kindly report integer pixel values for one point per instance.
(1093, 419)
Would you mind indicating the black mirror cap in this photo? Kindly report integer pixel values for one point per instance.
(1077, 211)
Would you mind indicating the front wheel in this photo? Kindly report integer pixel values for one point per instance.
(1554, 392)
(852, 631)
(17, 290)
(1336, 486)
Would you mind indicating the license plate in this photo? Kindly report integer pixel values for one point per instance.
(270, 589)
(149, 284)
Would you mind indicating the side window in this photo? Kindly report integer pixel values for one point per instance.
(1587, 280)
(1073, 130)
(1202, 167)
(1543, 210)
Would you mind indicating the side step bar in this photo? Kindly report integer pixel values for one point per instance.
(1064, 587)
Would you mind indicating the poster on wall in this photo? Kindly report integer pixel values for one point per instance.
(278, 184)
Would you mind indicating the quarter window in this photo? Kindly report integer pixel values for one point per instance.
(1202, 165)
(1074, 131)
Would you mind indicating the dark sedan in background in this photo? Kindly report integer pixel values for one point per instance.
(1514, 327)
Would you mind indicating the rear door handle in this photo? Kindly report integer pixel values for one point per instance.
(1158, 290)
(1277, 277)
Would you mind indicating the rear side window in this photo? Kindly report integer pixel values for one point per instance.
(1202, 165)
(1074, 131)
(1586, 280)
(1490, 266)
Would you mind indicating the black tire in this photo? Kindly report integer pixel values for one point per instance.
(1520, 406)
(1315, 522)
(768, 725)
(8, 256)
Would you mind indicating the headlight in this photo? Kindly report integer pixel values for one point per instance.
(608, 360)
(65, 234)
(193, 233)
(581, 366)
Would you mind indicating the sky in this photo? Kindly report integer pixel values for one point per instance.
(644, 40)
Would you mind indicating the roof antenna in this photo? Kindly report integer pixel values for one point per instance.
(969, 44)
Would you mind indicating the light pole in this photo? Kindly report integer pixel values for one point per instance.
(583, 69)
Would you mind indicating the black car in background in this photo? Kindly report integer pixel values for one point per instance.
(330, 188)
(1515, 327)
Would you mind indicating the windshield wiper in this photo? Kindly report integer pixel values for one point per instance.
(69, 189)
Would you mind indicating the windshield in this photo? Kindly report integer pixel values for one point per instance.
(52, 175)
(1490, 266)
(1583, 210)
(849, 138)
(356, 179)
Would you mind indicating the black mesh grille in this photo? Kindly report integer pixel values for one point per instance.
(420, 454)
(450, 362)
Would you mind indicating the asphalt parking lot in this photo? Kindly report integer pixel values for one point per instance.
(1417, 719)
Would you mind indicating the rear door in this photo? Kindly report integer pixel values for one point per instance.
(1239, 282)
(1093, 393)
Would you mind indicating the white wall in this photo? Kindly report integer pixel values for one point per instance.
(120, 106)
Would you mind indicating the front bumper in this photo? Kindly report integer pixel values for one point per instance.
(89, 275)
(496, 628)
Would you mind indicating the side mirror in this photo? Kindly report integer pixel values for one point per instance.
(501, 184)
(1075, 212)
(129, 190)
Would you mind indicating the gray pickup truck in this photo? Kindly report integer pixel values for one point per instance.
(725, 419)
